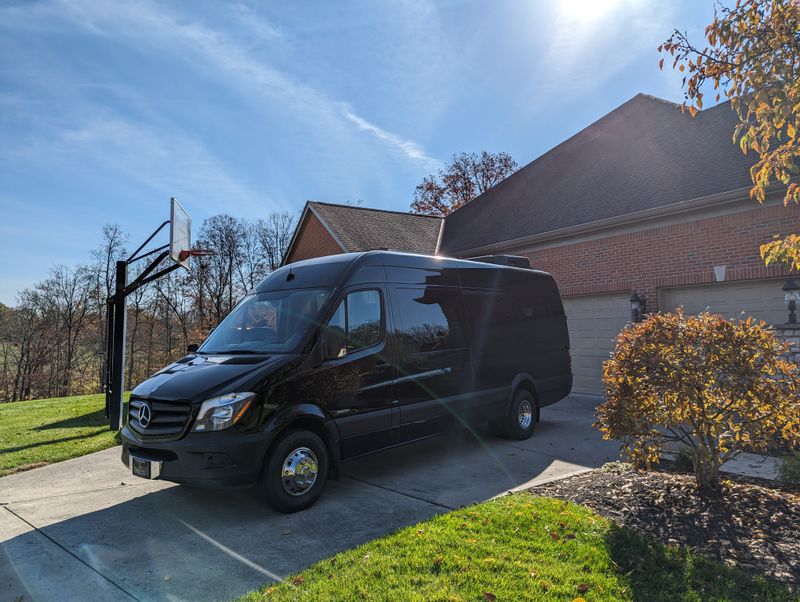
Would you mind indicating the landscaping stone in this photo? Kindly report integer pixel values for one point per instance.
(790, 334)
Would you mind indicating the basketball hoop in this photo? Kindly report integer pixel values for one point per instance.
(184, 255)
(180, 233)
(179, 249)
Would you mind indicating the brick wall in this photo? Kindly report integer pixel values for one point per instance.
(313, 240)
(675, 255)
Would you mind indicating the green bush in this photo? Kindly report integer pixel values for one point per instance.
(789, 469)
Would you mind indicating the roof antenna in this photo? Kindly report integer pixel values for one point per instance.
(290, 275)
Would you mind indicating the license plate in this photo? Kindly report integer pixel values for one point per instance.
(147, 469)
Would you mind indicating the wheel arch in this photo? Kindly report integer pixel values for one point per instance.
(524, 381)
(310, 417)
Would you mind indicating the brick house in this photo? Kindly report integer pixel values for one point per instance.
(328, 229)
(646, 200)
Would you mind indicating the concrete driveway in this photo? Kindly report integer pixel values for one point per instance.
(87, 529)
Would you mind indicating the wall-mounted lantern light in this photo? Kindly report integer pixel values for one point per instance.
(637, 307)
(791, 295)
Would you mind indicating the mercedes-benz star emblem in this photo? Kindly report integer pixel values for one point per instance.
(145, 414)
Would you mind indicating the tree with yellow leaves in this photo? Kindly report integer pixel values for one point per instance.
(713, 385)
(752, 57)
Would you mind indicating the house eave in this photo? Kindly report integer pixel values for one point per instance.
(328, 229)
(308, 207)
(629, 219)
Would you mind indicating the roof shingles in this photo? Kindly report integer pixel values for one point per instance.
(643, 155)
(365, 229)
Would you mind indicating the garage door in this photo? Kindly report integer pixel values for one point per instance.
(762, 299)
(594, 322)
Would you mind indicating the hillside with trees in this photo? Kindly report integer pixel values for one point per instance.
(52, 341)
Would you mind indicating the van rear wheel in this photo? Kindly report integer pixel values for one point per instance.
(295, 471)
(521, 419)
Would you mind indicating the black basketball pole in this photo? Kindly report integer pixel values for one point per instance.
(116, 383)
(109, 339)
(115, 325)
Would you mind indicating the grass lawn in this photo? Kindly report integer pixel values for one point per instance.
(43, 431)
(520, 547)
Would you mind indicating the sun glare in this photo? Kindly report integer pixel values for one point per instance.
(586, 11)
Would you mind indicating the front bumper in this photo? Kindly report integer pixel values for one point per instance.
(227, 459)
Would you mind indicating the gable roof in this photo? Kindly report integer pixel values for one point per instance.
(643, 155)
(364, 229)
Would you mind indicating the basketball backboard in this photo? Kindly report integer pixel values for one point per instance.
(180, 233)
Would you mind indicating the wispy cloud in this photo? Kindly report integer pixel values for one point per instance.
(154, 28)
(153, 156)
(409, 148)
(165, 159)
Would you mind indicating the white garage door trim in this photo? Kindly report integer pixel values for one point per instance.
(594, 321)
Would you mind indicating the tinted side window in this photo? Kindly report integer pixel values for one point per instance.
(429, 320)
(363, 319)
(359, 318)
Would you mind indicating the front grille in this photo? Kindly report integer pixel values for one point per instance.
(168, 419)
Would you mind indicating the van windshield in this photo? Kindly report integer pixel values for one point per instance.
(273, 322)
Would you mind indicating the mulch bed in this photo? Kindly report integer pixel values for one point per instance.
(749, 525)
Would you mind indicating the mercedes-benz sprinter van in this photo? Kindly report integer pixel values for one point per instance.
(332, 358)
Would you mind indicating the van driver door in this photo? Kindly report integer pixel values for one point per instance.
(359, 376)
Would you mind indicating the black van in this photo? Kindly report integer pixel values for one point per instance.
(335, 357)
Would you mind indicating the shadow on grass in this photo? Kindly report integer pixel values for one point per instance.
(658, 572)
(9, 450)
(96, 418)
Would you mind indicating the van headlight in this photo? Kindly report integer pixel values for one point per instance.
(219, 413)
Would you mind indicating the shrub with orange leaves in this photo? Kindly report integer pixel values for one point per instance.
(715, 385)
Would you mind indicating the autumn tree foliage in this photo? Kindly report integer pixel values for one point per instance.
(752, 57)
(713, 385)
(465, 177)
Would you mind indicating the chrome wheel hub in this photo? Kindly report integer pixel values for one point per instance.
(525, 414)
(299, 472)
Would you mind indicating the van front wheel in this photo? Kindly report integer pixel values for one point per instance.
(520, 421)
(295, 471)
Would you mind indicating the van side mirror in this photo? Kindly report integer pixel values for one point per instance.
(192, 348)
(332, 339)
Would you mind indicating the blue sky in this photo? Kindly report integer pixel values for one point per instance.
(109, 108)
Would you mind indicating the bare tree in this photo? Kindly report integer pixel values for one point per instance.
(29, 347)
(275, 234)
(66, 294)
(103, 272)
(252, 266)
(173, 293)
(221, 234)
(137, 304)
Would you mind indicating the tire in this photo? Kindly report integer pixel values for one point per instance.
(521, 419)
(300, 451)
